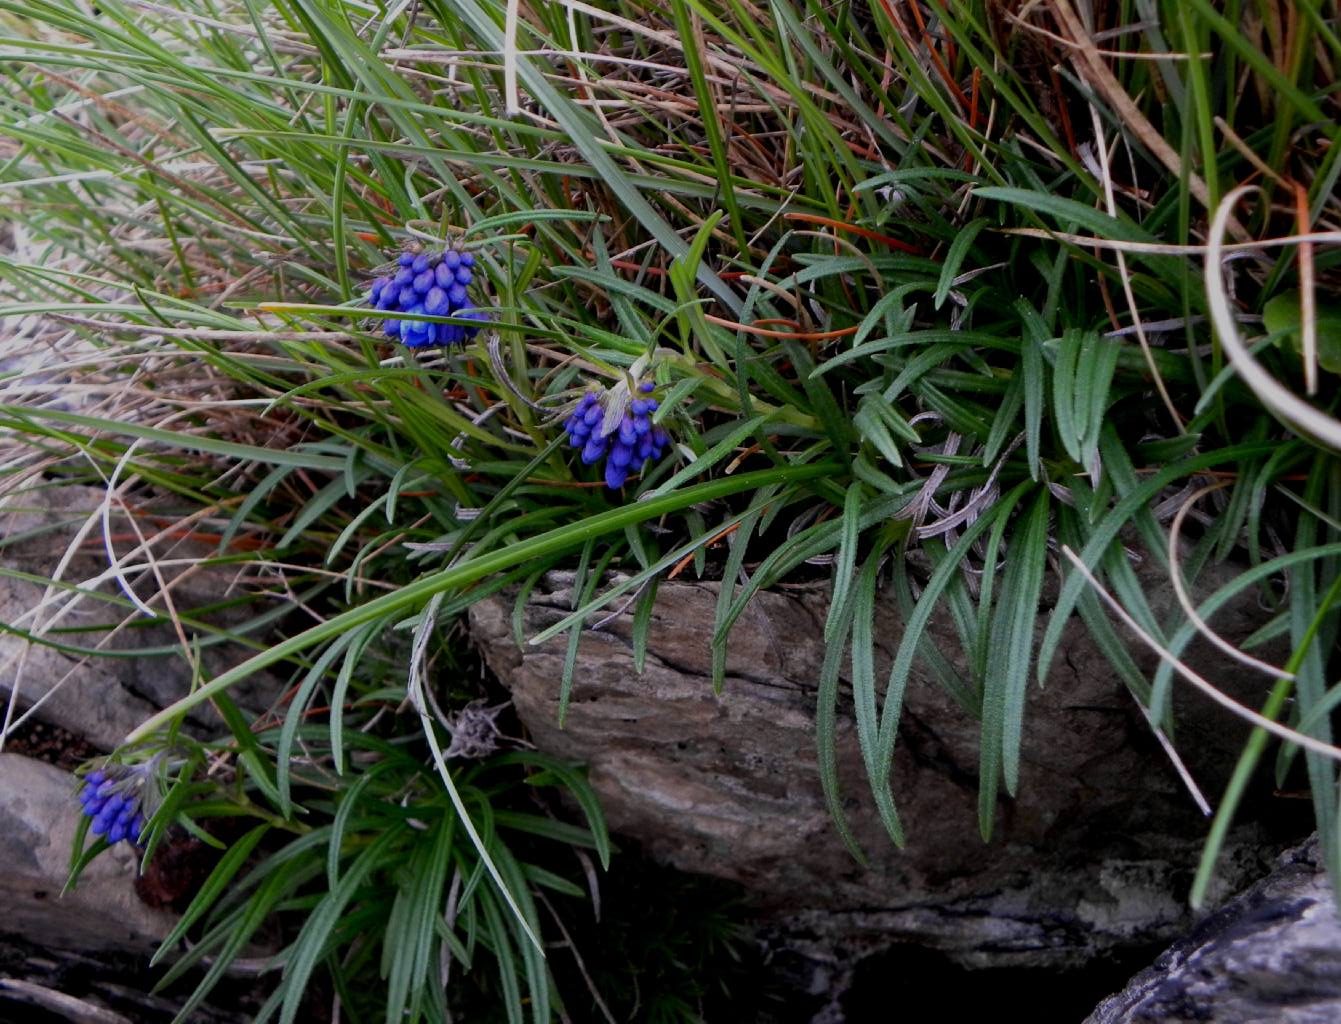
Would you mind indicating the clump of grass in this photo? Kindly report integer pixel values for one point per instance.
(941, 277)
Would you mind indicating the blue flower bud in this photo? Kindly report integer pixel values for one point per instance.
(630, 445)
(593, 450)
(111, 798)
(615, 476)
(435, 301)
(432, 283)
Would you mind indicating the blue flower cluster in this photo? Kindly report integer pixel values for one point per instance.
(632, 443)
(111, 798)
(433, 283)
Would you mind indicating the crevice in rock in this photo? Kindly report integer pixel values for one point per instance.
(52, 744)
(115, 983)
(1042, 996)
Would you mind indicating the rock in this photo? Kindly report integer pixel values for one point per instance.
(59, 985)
(101, 697)
(71, 1008)
(1095, 855)
(1272, 955)
(38, 817)
(83, 956)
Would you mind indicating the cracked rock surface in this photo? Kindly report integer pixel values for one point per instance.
(1269, 956)
(1095, 855)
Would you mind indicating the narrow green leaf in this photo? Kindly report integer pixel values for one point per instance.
(310, 946)
(826, 730)
(212, 888)
(1032, 373)
(735, 559)
(954, 258)
(846, 566)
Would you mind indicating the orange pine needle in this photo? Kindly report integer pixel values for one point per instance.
(682, 563)
(237, 543)
(853, 229)
(941, 69)
(1308, 334)
(976, 89)
(765, 332)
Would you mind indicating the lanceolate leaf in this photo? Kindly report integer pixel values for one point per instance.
(845, 567)
(826, 728)
(863, 689)
(915, 628)
(1012, 641)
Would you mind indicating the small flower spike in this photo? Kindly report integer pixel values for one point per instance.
(631, 444)
(113, 797)
(433, 283)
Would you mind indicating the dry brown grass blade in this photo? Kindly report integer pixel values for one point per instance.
(1308, 324)
(1089, 64)
(1160, 249)
(1300, 415)
(1185, 599)
(1196, 679)
(1110, 202)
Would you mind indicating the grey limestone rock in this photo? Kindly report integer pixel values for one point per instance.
(81, 956)
(1094, 855)
(38, 817)
(1270, 956)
